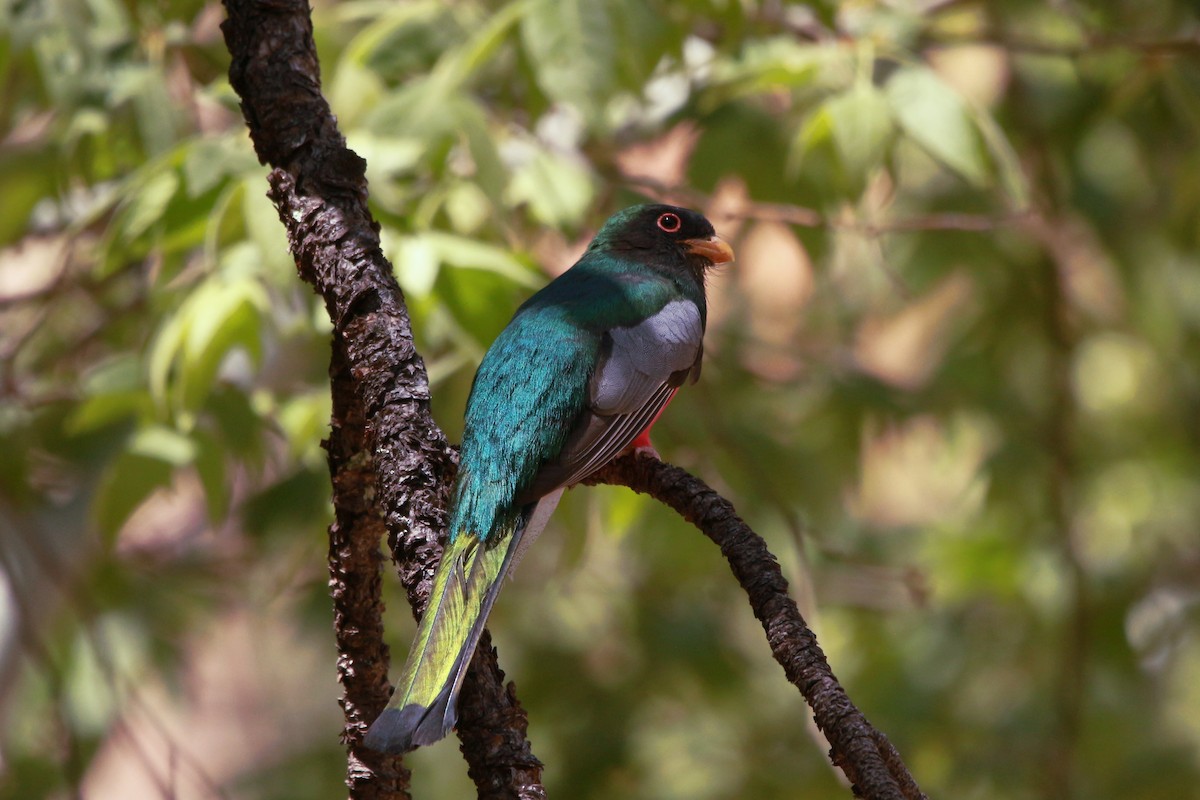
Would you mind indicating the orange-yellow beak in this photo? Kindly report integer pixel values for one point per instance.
(714, 248)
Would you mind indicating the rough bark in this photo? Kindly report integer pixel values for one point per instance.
(354, 583)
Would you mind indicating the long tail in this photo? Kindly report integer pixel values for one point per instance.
(424, 707)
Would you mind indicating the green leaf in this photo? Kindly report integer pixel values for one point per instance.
(770, 63)
(861, 124)
(402, 41)
(419, 110)
(162, 356)
(127, 482)
(144, 87)
(218, 316)
(299, 501)
(1008, 163)
(558, 191)
(481, 301)
(467, 206)
(210, 467)
(115, 645)
(261, 220)
(489, 171)
(458, 65)
(814, 134)
(353, 91)
(148, 202)
(239, 426)
(414, 261)
(387, 155)
(221, 319)
(461, 251)
(742, 139)
(397, 25)
(164, 444)
(572, 47)
(207, 162)
(646, 38)
(304, 421)
(27, 175)
(106, 409)
(119, 373)
(933, 115)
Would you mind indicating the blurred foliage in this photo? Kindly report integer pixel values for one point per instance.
(952, 379)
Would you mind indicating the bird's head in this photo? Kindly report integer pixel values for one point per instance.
(664, 235)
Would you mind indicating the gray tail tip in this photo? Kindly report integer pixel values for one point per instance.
(399, 730)
(391, 732)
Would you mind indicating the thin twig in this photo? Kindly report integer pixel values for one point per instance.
(805, 217)
(1058, 431)
(1090, 45)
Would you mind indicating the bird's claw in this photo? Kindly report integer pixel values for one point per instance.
(646, 451)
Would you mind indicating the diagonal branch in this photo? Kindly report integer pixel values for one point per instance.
(381, 395)
(866, 756)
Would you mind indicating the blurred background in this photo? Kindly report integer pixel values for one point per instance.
(953, 379)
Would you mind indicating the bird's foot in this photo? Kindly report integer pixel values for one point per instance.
(646, 451)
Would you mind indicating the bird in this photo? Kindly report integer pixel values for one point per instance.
(578, 376)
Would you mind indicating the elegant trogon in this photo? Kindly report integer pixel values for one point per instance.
(580, 374)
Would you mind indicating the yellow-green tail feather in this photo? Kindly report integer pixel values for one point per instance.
(423, 708)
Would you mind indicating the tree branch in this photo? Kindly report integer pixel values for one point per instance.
(380, 389)
(863, 753)
(354, 583)
(382, 429)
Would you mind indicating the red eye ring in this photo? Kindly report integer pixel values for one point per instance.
(671, 223)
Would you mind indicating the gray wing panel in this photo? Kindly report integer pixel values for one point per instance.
(638, 359)
(640, 368)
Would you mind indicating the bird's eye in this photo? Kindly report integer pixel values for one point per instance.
(670, 222)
